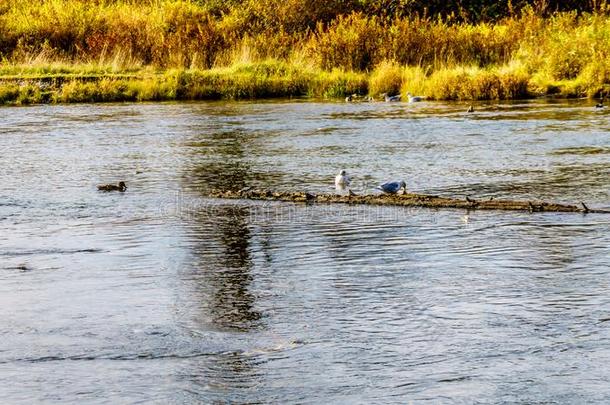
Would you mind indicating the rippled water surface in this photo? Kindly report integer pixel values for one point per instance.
(161, 295)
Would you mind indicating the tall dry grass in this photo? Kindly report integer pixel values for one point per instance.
(266, 48)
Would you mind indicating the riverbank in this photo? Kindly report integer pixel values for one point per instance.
(272, 79)
(267, 79)
(74, 51)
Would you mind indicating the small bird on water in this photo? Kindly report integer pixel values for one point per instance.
(351, 98)
(390, 99)
(113, 187)
(415, 99)
(393, 187)
(470, 109)
(601, 102)
(342, 180)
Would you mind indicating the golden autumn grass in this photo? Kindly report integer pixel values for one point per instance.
(104, 50)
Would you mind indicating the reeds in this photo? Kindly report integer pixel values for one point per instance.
(187, 49)
(266, 79)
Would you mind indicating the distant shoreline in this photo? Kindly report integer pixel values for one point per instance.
(251, 81)
(62, 51)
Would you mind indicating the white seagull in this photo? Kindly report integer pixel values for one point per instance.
(390, 99)
(342, 180)
(415, 99)
(393, 187)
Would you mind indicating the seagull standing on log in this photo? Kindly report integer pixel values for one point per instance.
(393, 187)
(342, 181)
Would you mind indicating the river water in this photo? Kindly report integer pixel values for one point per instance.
(161, 295)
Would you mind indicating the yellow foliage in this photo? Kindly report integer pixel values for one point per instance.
(265, 48)
(386, 78)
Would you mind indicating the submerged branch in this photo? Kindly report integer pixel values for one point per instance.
(406, 200)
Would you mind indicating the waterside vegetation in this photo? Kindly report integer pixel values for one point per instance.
(123, 50)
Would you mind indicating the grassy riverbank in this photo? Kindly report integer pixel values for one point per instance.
(265, 79)
(104, 50)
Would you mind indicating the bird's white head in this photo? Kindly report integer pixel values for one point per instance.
(342, 173)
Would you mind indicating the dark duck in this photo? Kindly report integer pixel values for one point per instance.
(113, 187)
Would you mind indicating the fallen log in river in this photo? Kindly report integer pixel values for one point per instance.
(406, 200)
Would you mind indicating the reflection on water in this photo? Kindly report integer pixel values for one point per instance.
(219, 269)
(161, 295)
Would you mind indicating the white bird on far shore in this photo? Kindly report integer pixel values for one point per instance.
(415, 99)
(390, 99)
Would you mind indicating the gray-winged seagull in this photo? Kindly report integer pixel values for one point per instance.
(415, 99)
(393, 187)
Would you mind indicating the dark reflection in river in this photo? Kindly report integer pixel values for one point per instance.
(221, 251)
(220, 266)
(161, 295)
(220, 163)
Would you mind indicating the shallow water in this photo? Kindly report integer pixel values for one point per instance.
(160, 295)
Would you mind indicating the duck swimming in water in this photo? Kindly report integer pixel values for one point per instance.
(113, 187)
